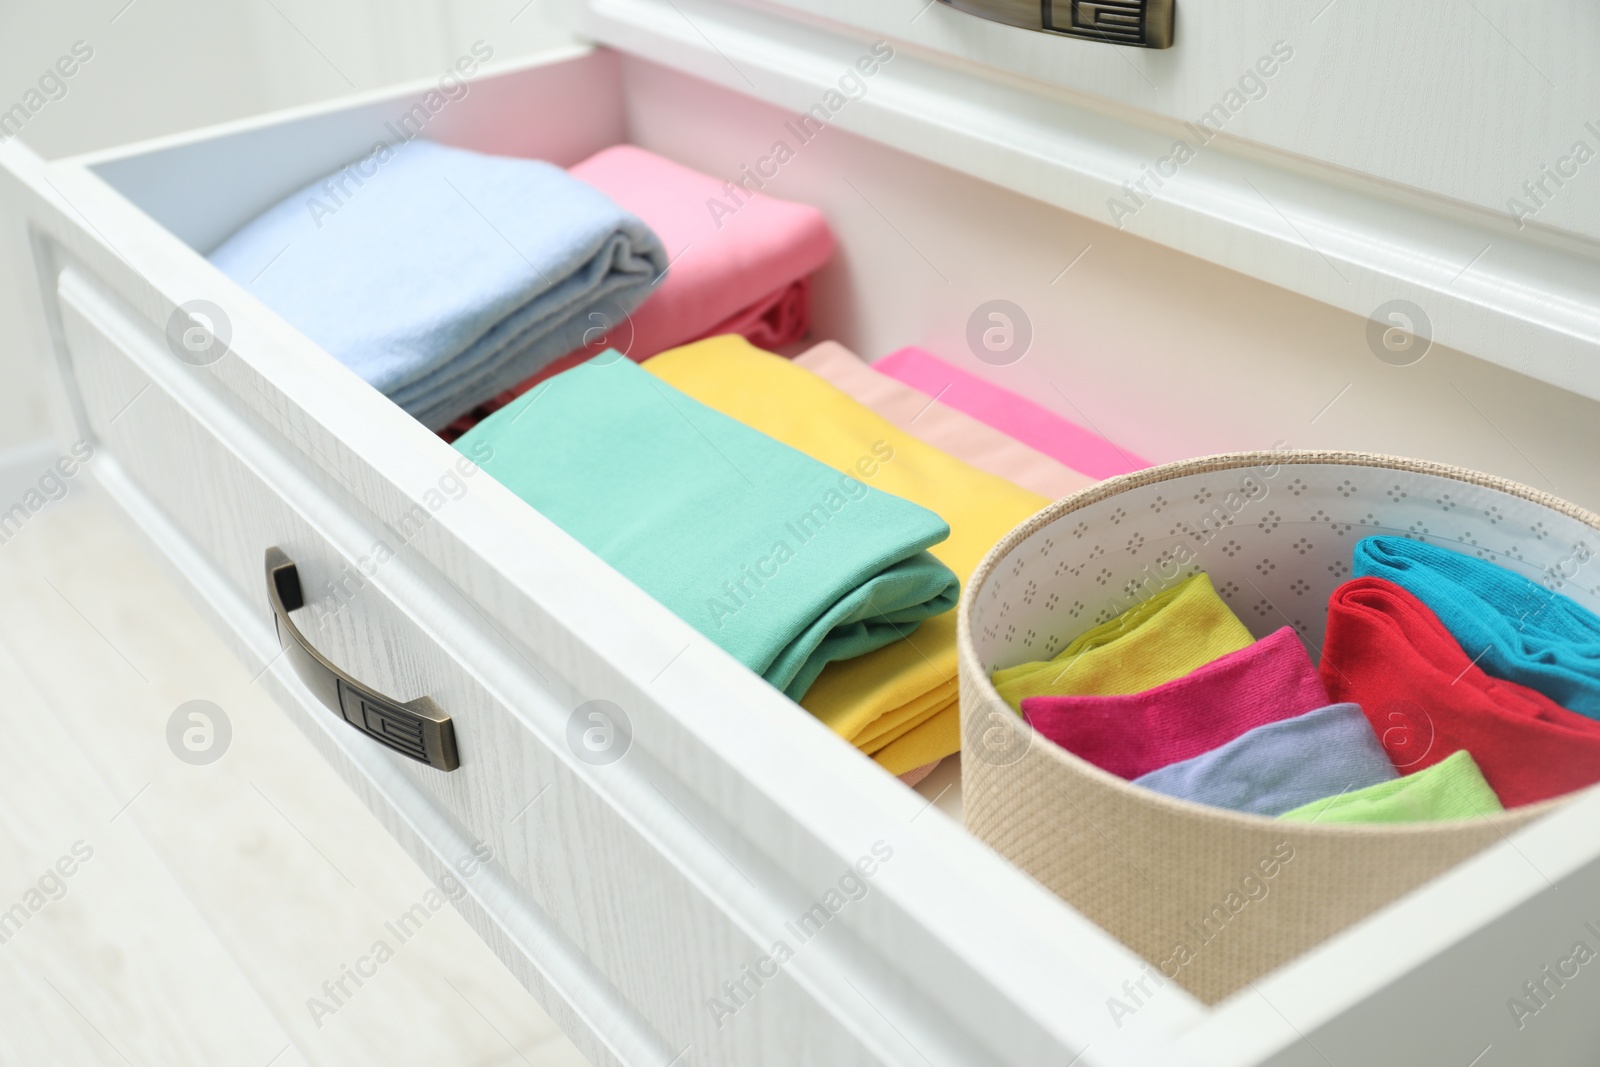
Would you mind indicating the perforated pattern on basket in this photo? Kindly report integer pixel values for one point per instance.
(1275, 532)
(1276, 545)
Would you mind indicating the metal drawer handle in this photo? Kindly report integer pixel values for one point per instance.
(1143, 23)
(416, 728)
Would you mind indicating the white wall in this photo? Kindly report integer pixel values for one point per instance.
(162, 66)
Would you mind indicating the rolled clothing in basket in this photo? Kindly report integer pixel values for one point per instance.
(1159, 639)
(1132, 734)
(1034, 426)
(443, 276)
(783, 562)
(1385, 650)
(899, 703)
(945, 428)
(1453, 788)
(1280, 766)
(1515, 628)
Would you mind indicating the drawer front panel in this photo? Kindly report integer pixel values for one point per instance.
(659, 942)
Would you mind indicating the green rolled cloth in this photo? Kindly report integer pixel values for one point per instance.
(784, 562)
(1453, 788)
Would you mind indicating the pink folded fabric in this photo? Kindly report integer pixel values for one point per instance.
(1137, 733)
(780, 318)
(945, 428)
(1037, 427)
(738, 257)
(744, 268)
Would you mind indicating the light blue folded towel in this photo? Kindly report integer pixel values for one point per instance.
(1512, 627)
(443, 276)
(1280, 766)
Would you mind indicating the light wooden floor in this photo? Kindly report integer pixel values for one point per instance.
(217, 899)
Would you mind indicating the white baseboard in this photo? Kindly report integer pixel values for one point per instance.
(22, 465)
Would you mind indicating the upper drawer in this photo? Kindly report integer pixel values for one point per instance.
(1467, 101)
(1431, 152)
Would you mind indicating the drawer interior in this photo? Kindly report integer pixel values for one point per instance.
(1164, 354)
(1159, 352)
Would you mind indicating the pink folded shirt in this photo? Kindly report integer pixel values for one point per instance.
(1037, 427)
(742, 272)
(745, 272)
(1136, 733)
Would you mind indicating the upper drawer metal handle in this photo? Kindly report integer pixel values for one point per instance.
(1144, 23)
(416, 728)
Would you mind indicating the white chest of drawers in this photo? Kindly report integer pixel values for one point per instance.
(645, 899)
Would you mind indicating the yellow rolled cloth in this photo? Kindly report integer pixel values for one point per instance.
(1162, 638)
(897, 704)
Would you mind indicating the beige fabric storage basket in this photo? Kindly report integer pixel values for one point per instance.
(1187, 886)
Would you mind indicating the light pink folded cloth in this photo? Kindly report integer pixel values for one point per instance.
(917, 774)
(1136, 733)
(945, 428)
(744, 271)
(1037, 427)
(741, 270)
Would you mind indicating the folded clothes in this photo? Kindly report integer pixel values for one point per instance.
(784, 563)
(739, 270)
(955, 432)
(1132, 734)
(1514, 628)
(1035, 426)
(944, 428)
(443, 276)
(781, 319)
(899, 703)
(1280, 766)
(745, 272)
(1453, 788)
(1426, 698)
(1155, 641)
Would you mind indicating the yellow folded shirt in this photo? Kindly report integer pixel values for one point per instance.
(1150, 644)
(897, 704)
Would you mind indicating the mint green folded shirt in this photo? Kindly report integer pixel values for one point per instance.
(1453, 788)
(782, 561)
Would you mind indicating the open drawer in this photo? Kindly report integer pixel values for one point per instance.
(641, 890)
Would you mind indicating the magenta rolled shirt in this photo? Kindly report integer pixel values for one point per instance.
(1136, 733)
